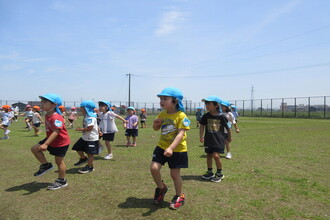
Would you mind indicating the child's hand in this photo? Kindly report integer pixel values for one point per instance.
(237, 131)
(43, 147)
(78, 129)
(100, 134)
(201, 140)
(168, 152)
(158, 122)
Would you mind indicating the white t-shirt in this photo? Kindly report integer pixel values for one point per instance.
(92, 135)
(6, 119)
(107, 123)
(35, 118)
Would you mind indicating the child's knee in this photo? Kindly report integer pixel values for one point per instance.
(35, 148)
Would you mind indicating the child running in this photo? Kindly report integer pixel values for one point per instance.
(108, 126)
(131, 127)
(213, 123)
(143, 118)
(172, 145)
(225, 105)
(89, 142)
(5, 121)
(36, 120)
(29, 115)
(73, 116)
(56, 142)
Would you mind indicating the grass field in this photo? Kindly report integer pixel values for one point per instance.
(280, 170)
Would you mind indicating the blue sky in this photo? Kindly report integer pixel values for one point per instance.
(84, 49)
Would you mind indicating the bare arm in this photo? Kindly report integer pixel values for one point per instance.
(201, 133)
(50, 139)
(169, 151)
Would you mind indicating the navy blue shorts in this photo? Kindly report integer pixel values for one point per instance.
(89, 147)
(37, 125)
(55, 151)
(211, 150)
(177, 160)
(108, 137)
(132, 132)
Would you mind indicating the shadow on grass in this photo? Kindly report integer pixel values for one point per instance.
(121, 145)
(29, 187)
(73, 170)
(204, 156)
(133, 202)
(193, 177)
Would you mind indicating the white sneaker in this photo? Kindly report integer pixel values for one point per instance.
(228, 156)
(108, 157)
(7, 132)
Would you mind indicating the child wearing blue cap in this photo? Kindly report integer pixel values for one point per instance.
(172, 145)
(212, 134)
(89, 142)
(108, 126)
(198, 115)
(131, 127)
(56, 142)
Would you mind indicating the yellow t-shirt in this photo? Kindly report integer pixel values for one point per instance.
(171, 123)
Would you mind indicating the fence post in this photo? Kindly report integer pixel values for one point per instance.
(271, 107)
(243, 107)
(261, 107)
(309, 107)
(295, 107)
(324, 107)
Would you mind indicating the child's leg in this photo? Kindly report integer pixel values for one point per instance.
(61, 167)
(107, 143)
(176, 177)
(209, 160)
(227, 146)
(134, 140)
(81, 154)
(217, 160)
(39, 154)
(156, 175)
(90, 160)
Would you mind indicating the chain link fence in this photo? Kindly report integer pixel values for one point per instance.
(299, 107)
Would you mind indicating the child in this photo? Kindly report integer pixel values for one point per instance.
(108, 126)
(214, 124)
(73, 116)
(235, 113)
(16, 112)
(225, 105)
(89, 142)
(131, 126)
(198, 114)
(29, 115)
(36, 120)
(6, 118)
(56, 142)
(172, 145)
(143, 118)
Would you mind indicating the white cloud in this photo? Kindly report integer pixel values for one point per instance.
(169, 22)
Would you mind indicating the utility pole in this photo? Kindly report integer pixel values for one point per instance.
(129, 89)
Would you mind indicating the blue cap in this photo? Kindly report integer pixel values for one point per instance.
(233, 107)
(225, 103)
(175, 93)
(213, 98)
(54, 98)
(199, 108)
(89, 107)
(132, 108)
(106, 103)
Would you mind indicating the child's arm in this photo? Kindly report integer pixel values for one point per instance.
(50, 139)
(89, 128)
(236, 128)
(169, 151)
(38, 116)
(201, 133)
(122, 119)
(157, 124)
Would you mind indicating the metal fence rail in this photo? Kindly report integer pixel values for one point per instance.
(297, 107)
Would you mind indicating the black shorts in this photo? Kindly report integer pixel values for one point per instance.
(108, 137)
(5, 126)
(177, 160)
(37, 124)
(211, 150)
(56, 151)
(70, 120)
(132, 132)
(89, 147)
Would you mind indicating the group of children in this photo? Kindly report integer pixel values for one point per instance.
(173, 123)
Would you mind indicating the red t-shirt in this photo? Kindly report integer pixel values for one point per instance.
(54, 122)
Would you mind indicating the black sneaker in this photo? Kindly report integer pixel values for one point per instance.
(44, 168)
(86, 169)
(58, 184)
(81, 161)
(208, 175)
(160, 194)
(217, 177)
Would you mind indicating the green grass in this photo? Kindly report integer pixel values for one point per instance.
(280, 170)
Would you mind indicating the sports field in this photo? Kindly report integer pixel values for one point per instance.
(280, 170)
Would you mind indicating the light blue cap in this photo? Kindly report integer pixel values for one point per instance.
(175, 93)
(233, 107)
(89, 107)
(54, 98)
(132, 108)
(225, 103)
(106, 103)
(199, 108)
(213, 98)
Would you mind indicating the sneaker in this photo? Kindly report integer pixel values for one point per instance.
(4, 137)
(86, 169)
(228, 156)
(44, 168)
(108, 157)
(208, 175)
(58, 184)
(160, 194)
(128, 144)
(81, 161)
(133, 145)
(7, 132)
(217, 177)
(177, 201)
